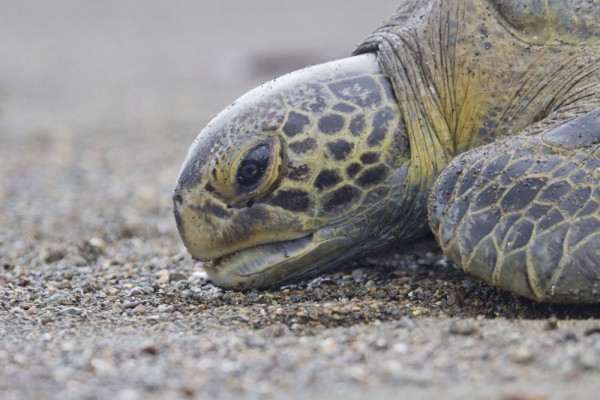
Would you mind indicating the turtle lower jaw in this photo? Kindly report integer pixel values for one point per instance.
(269, 264)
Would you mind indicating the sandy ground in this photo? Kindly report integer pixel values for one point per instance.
(98, 298)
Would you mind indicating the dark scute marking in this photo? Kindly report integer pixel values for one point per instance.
(358, 125)
(303, 146)
(546, 165)
(537, 211)
(487, 197)
(265, 115)
(295, 123)
(327, 178)
(362, 91)
(446, 182)
(554, 191)
(470, 176)
(340, 197)
(551, 219)
(578, 176)
(501, 230)
(574, 201)
(353, 169)
(381, 125)
(521, 194)
(475, 228)
(314, 98)
(331, 123)
(592, 163)
(523, 152)
(214, 173)
(590, 208)
(291, 199)
(494, 168)
(209, 188)
(564, 170)
(344, 108)
(372, 176)
(340, 148)
(246, 222)
(519, 234)
(369, 158)
(297, 173)
(582, 229)
(576, 133)
(516, 170)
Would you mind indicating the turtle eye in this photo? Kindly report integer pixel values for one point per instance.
(253, 167)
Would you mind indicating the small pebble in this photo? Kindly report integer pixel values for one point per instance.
(97, 242)
(149, 348)
(148, 289)
(71, 311)
(130, 304)
(50, 255)
(64, 285)
(274, 331)
(165, 308)
(136, 291)
(20, 271)
(140, 309)
(522, 354)
(68, 273)
(46, 318)
(594, 330)
(61, 297)
(176, 276)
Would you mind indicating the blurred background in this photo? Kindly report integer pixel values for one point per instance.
(99, 101)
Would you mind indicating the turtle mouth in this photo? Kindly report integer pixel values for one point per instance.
(268, 264)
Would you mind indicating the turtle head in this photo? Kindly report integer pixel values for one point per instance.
(296, 176)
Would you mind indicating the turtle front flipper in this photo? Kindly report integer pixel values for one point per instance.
(524, 213)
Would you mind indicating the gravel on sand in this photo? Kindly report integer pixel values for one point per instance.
(98, 298)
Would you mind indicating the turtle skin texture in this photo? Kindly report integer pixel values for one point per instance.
(478, 120)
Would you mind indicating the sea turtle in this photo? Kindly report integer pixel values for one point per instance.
(476, 119)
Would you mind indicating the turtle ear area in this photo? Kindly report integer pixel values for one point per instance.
(247, 170)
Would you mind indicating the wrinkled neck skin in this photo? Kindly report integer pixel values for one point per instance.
(468, 72)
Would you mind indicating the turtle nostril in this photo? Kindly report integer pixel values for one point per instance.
(178, 199)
